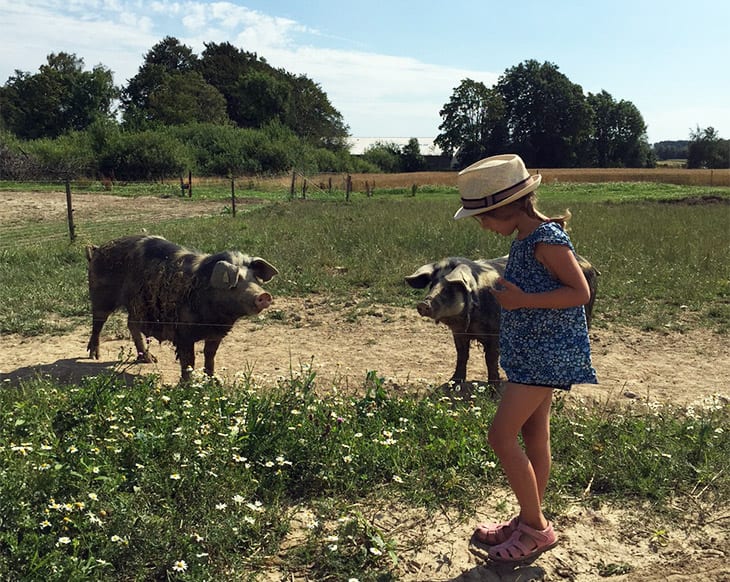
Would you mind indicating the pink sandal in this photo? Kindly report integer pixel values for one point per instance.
(493, 534)
(525, 545)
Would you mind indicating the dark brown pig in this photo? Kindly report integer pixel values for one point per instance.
(174, 294)
(459, 297)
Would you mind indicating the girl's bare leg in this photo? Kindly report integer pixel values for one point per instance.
(518, 405)
(536, 436)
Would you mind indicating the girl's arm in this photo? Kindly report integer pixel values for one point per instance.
(561, 262)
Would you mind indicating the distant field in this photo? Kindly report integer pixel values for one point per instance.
(667, 175)
(218, 187)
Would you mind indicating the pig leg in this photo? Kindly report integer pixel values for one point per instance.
(209, 351)
(461, 341)
(186, 355)
(98, 320)
(143, 354)
(491, 356)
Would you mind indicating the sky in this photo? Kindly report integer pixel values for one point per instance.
(390, 66)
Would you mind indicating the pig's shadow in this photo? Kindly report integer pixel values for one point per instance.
(67, 371)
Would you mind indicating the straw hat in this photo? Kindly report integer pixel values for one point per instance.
(493, 182)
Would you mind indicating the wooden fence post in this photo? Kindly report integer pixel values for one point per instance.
(348, 187)
(233, 195)
(190, 184)
(304, 189)
(70, 212)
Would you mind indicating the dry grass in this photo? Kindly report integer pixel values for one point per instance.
(666, 175)
(361, 182)
(680, 176)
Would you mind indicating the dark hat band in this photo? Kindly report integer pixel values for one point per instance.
(497, 197)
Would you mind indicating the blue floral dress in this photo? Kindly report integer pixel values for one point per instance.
(545, 347)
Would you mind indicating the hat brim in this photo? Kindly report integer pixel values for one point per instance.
(466, 212)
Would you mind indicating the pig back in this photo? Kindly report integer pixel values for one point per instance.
(147, 275)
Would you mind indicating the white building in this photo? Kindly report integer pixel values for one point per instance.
(358, 145)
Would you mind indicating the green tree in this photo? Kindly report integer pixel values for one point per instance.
(411, 158)
(707, 150)
(185, 97)
(166, 58)
(619, 132)
(312, 116)
(223, 65)
(671, 150)
(473, 122)
(262, 98)
(60, 98)
(548, 118)
(257, 93)
(384, 155)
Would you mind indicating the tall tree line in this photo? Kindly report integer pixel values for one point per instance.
(173, 86)
(534, 110)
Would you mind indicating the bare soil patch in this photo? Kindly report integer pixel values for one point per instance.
(414, 356)
(24, 207)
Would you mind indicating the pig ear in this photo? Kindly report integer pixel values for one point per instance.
(225, 275)
(422, 277)
(462, 274)
(263, 270)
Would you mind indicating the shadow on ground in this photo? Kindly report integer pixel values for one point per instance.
(67, 371)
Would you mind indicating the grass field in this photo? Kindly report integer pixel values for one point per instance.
(320, 183)
(199, 482)
(662, 250)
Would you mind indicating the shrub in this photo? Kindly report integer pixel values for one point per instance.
(148, 155)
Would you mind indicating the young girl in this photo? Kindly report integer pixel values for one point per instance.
(543, 341)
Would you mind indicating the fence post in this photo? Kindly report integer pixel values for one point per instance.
(233, 195)
(70, 212)
(304, 189)
(348, 187)
(190, 184)
(293, 182)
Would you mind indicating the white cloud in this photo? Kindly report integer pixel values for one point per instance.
(380, 94)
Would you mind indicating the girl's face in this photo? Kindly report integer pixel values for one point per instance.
(498, 222)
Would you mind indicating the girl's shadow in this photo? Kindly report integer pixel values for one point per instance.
(492, 572)
(489, 572)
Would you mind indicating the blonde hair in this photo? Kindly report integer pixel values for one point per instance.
(528, 205)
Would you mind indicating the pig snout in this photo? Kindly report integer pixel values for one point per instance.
(263, 300)
(425, 309)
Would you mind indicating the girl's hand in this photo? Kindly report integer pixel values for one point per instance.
(508, 295)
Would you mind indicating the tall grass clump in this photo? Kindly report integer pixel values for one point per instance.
(646, 452)
(43, 289)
